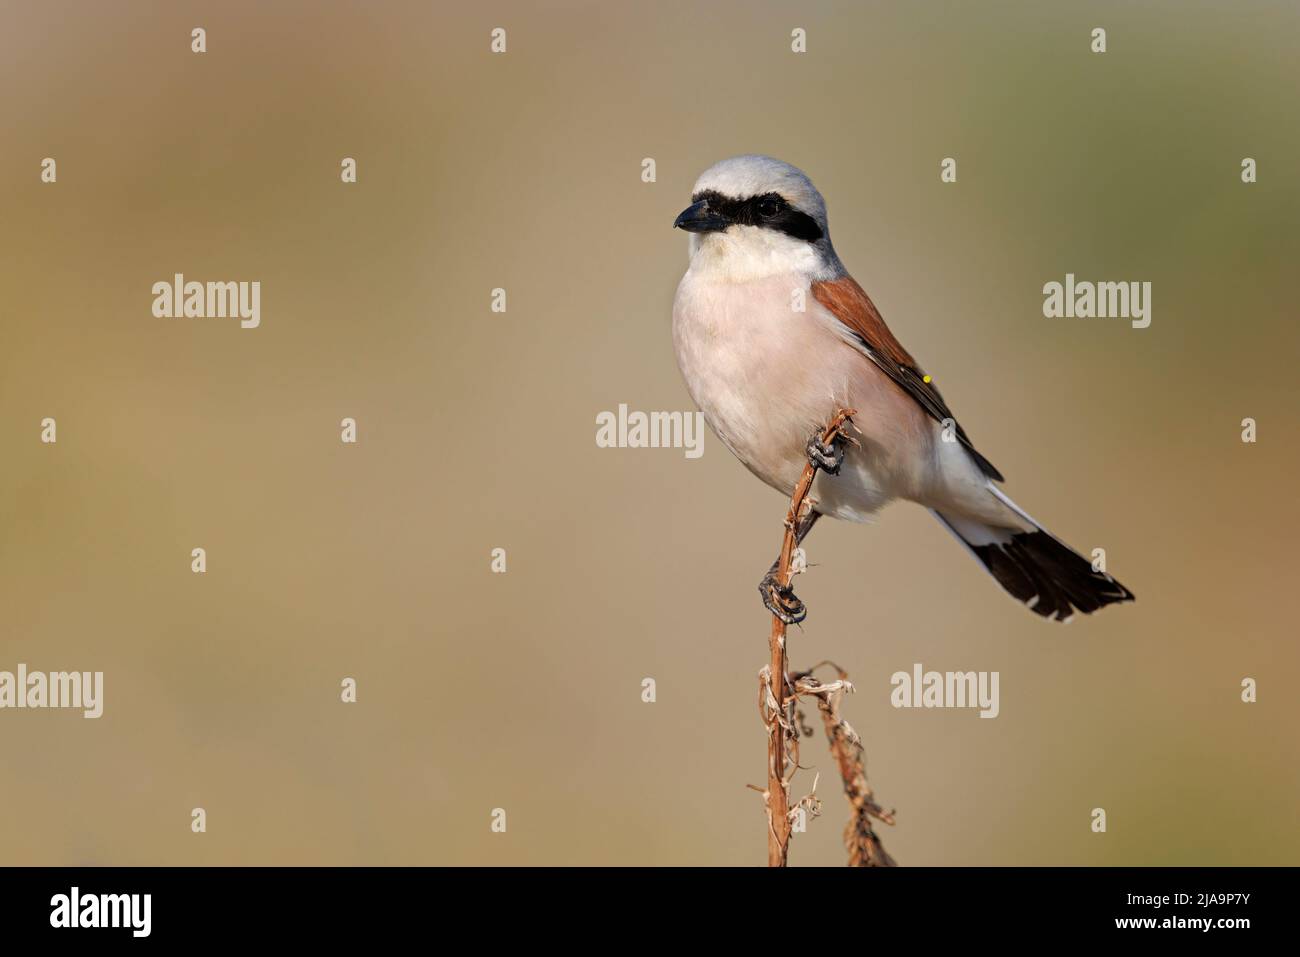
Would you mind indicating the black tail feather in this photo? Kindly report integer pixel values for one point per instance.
(1052, 579)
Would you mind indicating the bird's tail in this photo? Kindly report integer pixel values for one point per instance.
(1052, 579)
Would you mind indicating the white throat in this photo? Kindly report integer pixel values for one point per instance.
(746, 253)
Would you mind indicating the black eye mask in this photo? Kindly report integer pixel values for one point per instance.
(769, 211)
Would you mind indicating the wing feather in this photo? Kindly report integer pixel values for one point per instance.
(849, 303)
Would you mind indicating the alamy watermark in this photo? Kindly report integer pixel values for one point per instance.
(651, 430)
(53, 689)
(946, 689)
(179, 299)
(1098, 300)
(75, 909)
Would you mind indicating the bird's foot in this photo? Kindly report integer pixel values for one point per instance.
(781, 600)
(827, 456)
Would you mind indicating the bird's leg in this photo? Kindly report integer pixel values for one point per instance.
(780, 599)
(827, 456)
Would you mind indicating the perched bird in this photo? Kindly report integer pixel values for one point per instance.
(773, 336)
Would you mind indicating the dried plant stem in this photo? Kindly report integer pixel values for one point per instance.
(776, 702)
(860, 838)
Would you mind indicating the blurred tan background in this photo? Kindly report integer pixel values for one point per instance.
(476, 429)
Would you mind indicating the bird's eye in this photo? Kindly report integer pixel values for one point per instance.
(767, 208)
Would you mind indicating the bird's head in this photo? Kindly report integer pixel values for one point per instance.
(753, 216)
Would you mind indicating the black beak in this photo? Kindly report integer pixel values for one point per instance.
(698, 218)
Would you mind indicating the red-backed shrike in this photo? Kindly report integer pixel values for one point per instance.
(767, 376)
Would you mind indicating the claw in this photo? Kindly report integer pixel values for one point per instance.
(781, 601)
(827, 456)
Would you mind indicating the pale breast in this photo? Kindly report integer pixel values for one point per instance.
(734, 342)
(767, 376)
